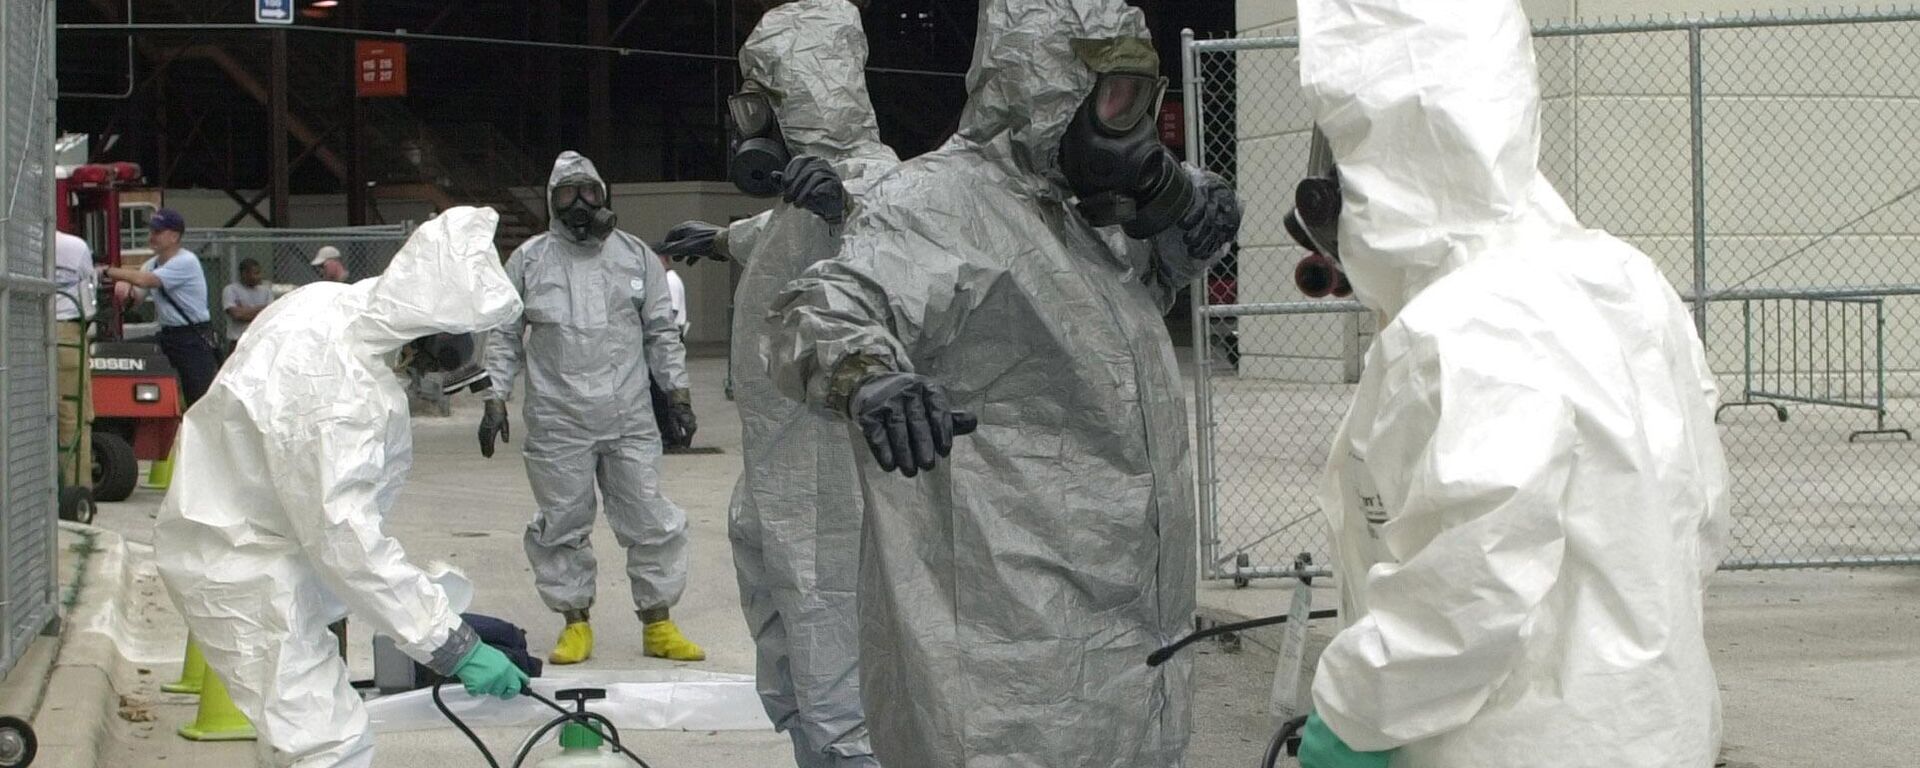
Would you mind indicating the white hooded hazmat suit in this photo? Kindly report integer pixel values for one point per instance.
(271, 530)
(1528, 493)
(598, 322)
(1009, 597)
(795, 517)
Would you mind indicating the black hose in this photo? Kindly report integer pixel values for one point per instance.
(458, 723)
(566, 715)
(613, 734)
(1278, 746)
(1161, 656)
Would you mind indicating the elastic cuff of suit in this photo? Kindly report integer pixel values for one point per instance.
(449, 655)
(848, 376)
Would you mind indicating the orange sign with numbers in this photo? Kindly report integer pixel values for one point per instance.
(379, 68)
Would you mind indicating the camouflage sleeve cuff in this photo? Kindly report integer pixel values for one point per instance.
(448, 656)
(848, 375)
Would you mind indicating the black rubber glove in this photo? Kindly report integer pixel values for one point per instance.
(494, 424)
(906, 421)
(691, 241)
(1215, 222)
(813, 184)
(680, 414)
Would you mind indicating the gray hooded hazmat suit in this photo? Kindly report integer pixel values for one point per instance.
(597, 320)
(1009, 597)
(795, 517)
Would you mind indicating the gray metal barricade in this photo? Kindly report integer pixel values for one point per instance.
(27, 451)
(1816, 351)
(1761, 162)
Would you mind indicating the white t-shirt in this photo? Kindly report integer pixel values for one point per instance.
(239, 295)
(678, 290)
(73, 274)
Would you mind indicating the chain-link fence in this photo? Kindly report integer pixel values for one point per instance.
(27, 450)
(1770, 166)
(286, 256)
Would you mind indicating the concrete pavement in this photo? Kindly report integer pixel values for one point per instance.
(1816, 667)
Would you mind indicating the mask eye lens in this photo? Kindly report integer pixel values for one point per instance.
(591, 194)
(1121, 101)
(752, 113)
(564, 196)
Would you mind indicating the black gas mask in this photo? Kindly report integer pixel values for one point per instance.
(455, 354)
(580, 205)
(758, 151)
(1314, 223)
(1114, 161)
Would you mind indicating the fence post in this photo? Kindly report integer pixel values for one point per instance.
(1696, 78)
(1202, 328)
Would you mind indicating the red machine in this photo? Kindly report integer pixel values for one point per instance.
(136, 396)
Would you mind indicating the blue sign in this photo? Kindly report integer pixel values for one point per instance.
(273, 11)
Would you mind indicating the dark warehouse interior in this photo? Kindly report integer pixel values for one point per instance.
(494, 88)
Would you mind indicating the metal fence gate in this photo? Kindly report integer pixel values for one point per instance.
(1770, 166)
(27, 458)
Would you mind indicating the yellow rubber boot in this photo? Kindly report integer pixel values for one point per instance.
(575, 645)
(664, 641)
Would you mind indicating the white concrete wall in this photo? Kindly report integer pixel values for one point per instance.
(646, 210)
(1807, 128)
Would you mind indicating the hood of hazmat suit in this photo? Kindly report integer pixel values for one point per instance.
(599, 320)
(272, 527)
(1009, 597)
(1528, 493)
(795, 516)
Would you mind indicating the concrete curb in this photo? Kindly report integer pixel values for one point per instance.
(80, 699)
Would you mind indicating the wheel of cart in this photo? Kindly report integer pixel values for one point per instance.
(17, 743)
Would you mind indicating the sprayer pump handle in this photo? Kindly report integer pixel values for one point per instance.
(581, 695)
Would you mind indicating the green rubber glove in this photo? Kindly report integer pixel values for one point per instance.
(487, 672)
(1320, 747)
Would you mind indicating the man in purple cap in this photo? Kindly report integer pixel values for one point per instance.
(180, 300)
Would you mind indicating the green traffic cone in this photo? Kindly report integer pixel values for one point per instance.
(218, 719)
(191, 673)
(160, 475)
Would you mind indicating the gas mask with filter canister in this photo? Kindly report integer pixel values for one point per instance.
(1314, 223)
(758, 151)
(1111, 154)
(456, 355)
(581, 207)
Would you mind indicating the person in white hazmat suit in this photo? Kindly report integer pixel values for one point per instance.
(1010, 595)
(288, 465)
(1528, 493)
(598, 322)
(795, 516)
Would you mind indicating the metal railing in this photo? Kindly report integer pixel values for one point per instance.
(1763, 163)
(1816, 351)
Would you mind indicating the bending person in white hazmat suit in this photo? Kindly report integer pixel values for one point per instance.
(1009, 596)
(598, 322)
(288, 465)
(1528, 494)
(795, 517)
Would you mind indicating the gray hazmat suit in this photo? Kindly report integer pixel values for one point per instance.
(288, 466)
(1009, 597)
(598, 319)
(795, 517)
(1529, 492)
